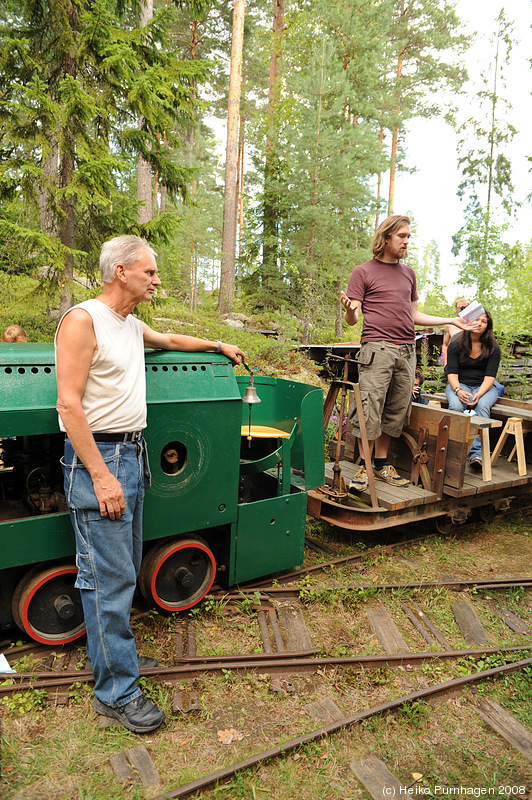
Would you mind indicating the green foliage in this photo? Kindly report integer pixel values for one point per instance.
(74, 81)
(210, 607)
(25, 702)
(85, 91)
(486, 179)
(415, 712)
(25, 664)
(349, 597)
(247, 604)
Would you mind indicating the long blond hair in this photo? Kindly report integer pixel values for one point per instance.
(385, 229)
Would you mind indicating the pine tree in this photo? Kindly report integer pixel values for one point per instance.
(74, 80)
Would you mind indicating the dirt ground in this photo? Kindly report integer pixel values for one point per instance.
(61, 752)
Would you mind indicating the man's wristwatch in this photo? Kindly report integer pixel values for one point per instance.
(457, 389)
(219, 348)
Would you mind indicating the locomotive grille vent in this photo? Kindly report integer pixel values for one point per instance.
(175, 368)
(23, 370)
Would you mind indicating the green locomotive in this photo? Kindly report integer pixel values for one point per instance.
(230, 477)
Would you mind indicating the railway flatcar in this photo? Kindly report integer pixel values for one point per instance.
(231, 467)
(432, 455)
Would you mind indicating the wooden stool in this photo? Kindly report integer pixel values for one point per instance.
(513, 427)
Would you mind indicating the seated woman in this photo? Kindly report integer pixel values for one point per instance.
(472, 363)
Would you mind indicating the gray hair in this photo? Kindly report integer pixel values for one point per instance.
(121, 250)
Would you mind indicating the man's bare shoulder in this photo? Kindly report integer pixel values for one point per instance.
(75, 325)
(77, 316)
(452, 329)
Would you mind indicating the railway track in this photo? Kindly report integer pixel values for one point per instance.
(398, 633)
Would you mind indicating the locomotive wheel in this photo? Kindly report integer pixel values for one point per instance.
(176, 575)
(46, 605)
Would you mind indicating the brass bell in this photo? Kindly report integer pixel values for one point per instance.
(250, 395)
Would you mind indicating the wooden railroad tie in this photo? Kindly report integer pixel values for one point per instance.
(504, 724)
(135, 766)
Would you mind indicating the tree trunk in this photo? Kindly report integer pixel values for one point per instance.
(395, 131)
(240, 204)
(239, 212)
(67, 228)
(270, 221)
(50, 168)
(379, 179)
(66, 172)
(339, 318)
(393, 169)
(227, 277)
(144, 176)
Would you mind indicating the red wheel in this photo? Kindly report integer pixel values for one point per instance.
(176, 575)
(47, 606)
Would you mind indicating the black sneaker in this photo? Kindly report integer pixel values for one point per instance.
(139, 716)
(476, 463)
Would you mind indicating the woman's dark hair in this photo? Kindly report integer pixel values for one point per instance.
(487, 341)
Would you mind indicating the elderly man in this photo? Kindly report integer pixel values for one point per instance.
(101, 403)
(385, 290)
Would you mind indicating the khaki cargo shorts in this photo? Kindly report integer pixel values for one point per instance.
(386, 379)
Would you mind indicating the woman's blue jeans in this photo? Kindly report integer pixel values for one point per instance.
(108, 557)
(482, 409)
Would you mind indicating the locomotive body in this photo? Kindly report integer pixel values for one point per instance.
(228, 496)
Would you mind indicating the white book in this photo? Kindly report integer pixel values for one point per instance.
(472, 312)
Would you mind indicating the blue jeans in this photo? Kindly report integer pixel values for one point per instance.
(482, 409)
(108, 557)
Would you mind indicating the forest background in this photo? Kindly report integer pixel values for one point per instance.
(110, 118)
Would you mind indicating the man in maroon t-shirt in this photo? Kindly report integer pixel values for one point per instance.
(385, 290)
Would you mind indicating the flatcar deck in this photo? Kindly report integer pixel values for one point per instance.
(433, 454)
(394, 498)
(390, 497)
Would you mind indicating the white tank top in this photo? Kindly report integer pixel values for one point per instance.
(114, 400)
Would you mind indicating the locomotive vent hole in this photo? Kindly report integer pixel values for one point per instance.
(173, 458)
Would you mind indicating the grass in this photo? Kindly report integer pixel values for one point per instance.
(60, 752)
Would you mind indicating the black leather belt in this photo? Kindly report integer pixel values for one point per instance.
(136, 436)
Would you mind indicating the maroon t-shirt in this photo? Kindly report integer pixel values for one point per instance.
(387, 292)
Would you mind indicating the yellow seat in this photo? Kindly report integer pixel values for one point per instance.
(263, 432)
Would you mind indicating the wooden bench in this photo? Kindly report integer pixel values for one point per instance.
(461, 432)
(517, 418)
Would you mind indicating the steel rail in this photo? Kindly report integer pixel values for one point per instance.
(268, 665)
(438, 689)
(356, 558)
(457, 584)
